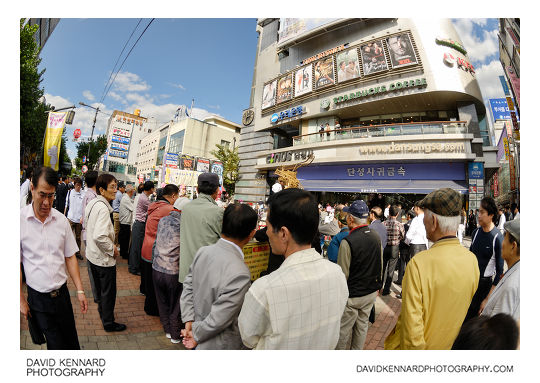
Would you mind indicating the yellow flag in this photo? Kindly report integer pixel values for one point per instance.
(53, 139)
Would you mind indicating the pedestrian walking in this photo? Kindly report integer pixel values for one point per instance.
(47, 252)
(396, 232)
(201, 222)
(61, 193)
(90, 179)
(439, 283)
(116, 210)
(25, 188)
(157, 210)
(125, 217)
(375, 224)
(137, 232)
(212, 319)
(278, 308)
(333, 246)
(101, 251)
(404, 250)
(361, 260)
(75, 212)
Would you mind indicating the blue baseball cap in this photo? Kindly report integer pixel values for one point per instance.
(358, 208)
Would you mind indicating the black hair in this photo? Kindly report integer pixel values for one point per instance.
(91, 178)
(499, 332)
(393, 211)
(29, 172)
(77, 180)
(170, 190)
(103, 181)
(238, 221)
(148, 185)
(206, 188)
(411, 213)
(50, 176)
(513, 206)
(295, 209)
(489, 205)
(140, 188)
(377, 212)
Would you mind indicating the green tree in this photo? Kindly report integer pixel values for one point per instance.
(33, 113)
(229, 158)
(97, 148)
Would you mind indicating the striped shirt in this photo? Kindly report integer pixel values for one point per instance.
(395, 231)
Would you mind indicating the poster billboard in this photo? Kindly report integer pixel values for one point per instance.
(303, 80)
(503, 150)
(401, 50)
(514, 81)
(284, 88)
(269, 94)
(203, 165)
(187, 162)
(120, 140)
(373, 58)
(256, 258)
(290, 29)
(217, 167)
(476, 170)
(348, 67)
(324, 73)
(171, 160)
(118, 146)
(53, 138)
(500, 108)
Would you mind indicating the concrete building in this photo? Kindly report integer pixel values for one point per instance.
(46, 28)
(178, 151)
(404, 110)
(509, 54)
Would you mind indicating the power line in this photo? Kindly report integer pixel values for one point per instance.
(118, 59)
(121, 65)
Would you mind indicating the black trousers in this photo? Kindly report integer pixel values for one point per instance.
(402, 262)
(137, 239)
(105, 281)
(54, 317)
(150, 303)
(390, 256)
(484, 285)
(123, 239)
(168, 292)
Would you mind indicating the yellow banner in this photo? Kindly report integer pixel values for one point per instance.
(256, 258)
(53, 139)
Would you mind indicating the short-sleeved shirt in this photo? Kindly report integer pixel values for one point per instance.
(116, 201)
(44, 247)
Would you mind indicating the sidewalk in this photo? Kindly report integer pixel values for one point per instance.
(145, 332)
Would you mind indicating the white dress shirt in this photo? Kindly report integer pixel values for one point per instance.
(75, 206)
(416, 235)
(297, 307)
(99, 232)
(25, 187)
(44, 247)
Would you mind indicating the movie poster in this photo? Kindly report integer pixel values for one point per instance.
(302, 80)
(284, 88)
(187, 162)
(324, 73)
(348, 67)
(401, 50)
(373, 59)
(269, 94)
(203, 165)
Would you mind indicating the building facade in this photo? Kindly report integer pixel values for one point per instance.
(46, 28)
(364, 106)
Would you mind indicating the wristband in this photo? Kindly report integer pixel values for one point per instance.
(80, 291)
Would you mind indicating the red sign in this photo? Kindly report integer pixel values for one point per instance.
(76, 133)
(84, 168)
(512, 172)
(496, 184)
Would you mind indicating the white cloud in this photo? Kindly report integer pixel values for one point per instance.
(179, 86)
(130, 82)
(88, 95)
(115, 96)
(488, 79)
(478, 49)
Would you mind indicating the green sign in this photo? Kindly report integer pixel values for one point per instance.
(420, 82)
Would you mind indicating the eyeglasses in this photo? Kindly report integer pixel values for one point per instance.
(46, 195)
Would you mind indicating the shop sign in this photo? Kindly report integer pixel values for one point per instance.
(121, 132)
(462, 64)
(171, 160)
(289, 113)
(256, 258)
(476, 170)
(120, 140)
(451, 44)
(512, 172)
(408, 148)
(496, 184)
(381, 89)
(119, 147)
(504, 85)
(291, 155)
(118, 153)
(324, 54)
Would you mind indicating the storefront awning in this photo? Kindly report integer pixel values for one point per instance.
(383, 186)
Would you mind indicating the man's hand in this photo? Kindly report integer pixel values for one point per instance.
(25, 309)
(116, 253)
(482, 306)
(189, 342)
(184, 332)
(83, 302)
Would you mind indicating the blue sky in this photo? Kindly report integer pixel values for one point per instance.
(177, 60)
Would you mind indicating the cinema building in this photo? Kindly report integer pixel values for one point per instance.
(383, 106)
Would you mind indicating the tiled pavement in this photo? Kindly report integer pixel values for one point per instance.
(145, 332)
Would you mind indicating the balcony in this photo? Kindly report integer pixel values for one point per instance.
(388, 130)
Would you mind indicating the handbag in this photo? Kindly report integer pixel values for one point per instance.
(35, 332)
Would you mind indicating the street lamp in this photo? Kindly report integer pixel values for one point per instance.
(93, 126)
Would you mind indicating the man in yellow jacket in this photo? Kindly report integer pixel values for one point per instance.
(439, 283)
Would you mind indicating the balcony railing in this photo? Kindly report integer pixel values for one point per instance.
(391, 130)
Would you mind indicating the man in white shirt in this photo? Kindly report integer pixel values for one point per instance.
(298, 306)
(25, 187)
(416, 236)
(125, 214)
(74, 211)
(47, 248)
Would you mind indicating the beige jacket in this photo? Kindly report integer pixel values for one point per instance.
(99, 232)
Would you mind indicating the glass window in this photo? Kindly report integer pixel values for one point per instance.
(177, 142)
(225, 144)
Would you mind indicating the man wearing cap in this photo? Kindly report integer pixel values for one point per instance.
(201, 224)
(116, 210)
(439, 283)
(361, 259)
(505, 297)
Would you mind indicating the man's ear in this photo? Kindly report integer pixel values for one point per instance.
(284, 234)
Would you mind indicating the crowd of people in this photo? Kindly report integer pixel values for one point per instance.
(326, 267)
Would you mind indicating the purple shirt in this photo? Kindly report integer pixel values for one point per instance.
(88, 196)
(142, 208)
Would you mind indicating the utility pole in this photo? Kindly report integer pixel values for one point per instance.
(93, 126)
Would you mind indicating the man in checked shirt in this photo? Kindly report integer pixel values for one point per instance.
(395, 233)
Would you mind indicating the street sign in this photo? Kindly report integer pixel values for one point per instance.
(84, 168)
(84, 159)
